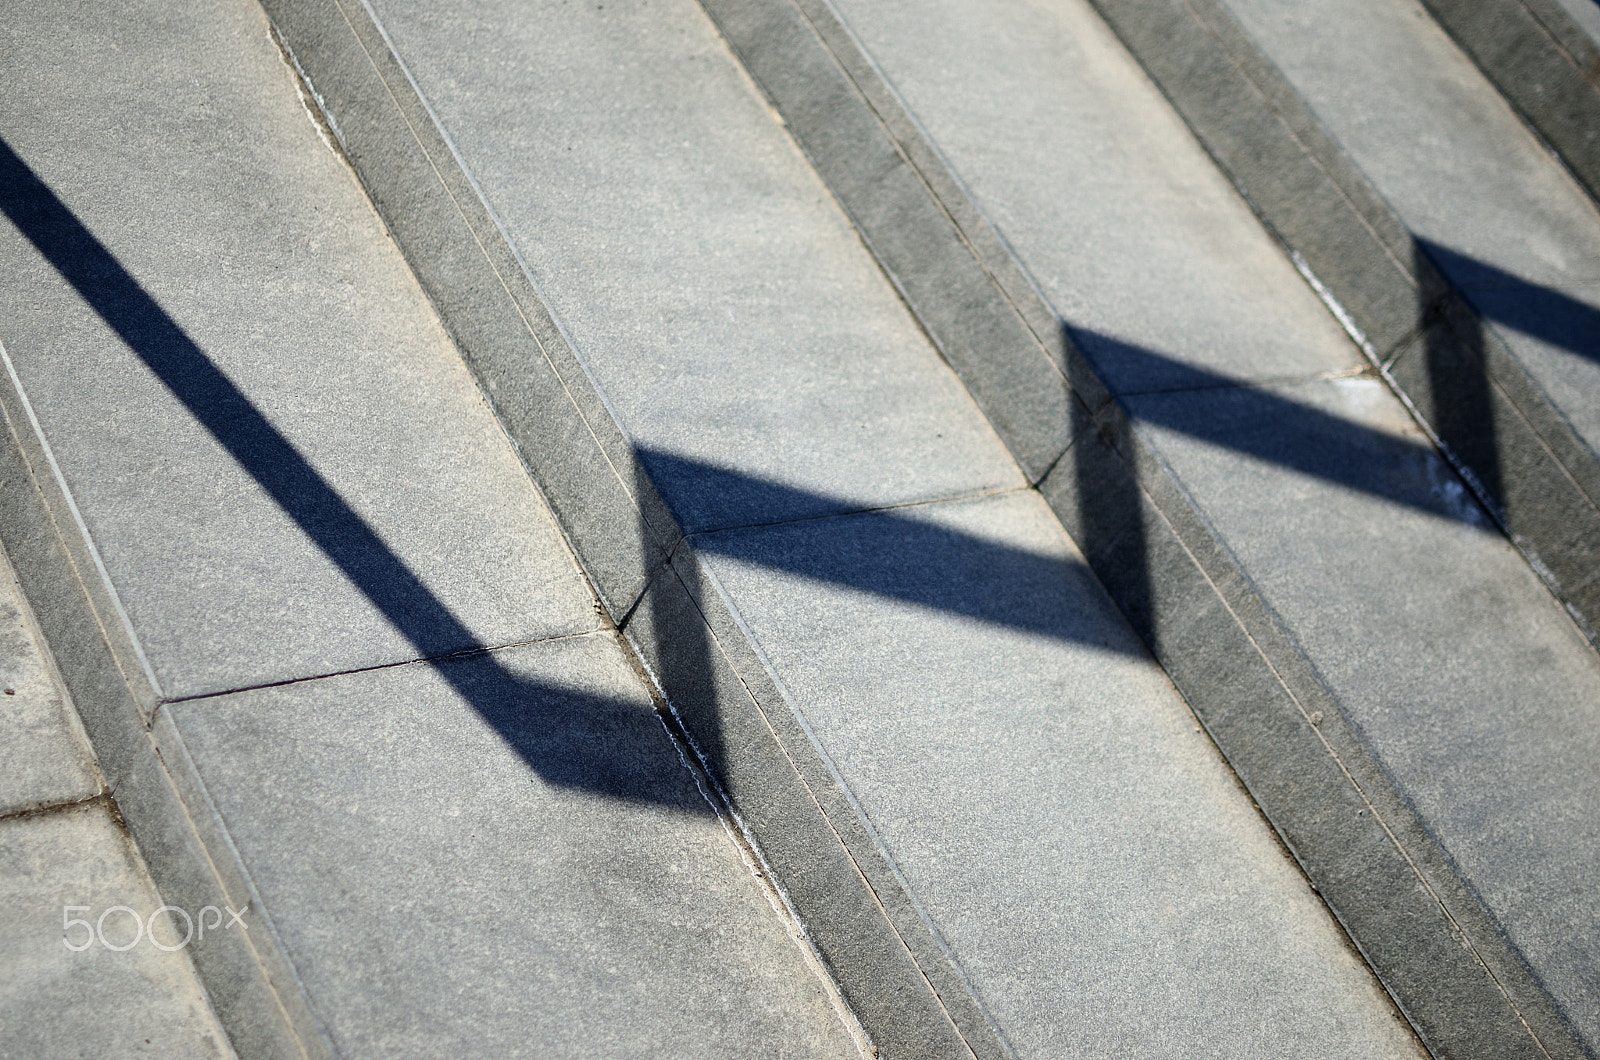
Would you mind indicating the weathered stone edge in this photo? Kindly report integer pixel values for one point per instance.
(1433, 945)
(898, 982)
(250, 985)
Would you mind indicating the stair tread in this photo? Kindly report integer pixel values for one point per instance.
(294, 482)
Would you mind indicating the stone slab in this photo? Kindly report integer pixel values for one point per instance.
(213, 229)
(44, 755)
(1058, 817)
(880, 952)
(962, 295)
(318, 35)
(1439, 953)
(1463, 675)
(540, 392)
(508, 855)
(1451, 158)
(710, 286)
(1543, 55)
(1120, 217)
(1387, 877)
(1496, 422)
(58, 1001)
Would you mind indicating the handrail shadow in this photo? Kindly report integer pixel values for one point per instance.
(893, 561)
(1536, 310)
(569, 737)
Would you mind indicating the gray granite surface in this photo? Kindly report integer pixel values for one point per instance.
(503, 855)
(1586, 13)
(222, 245)
(288, 472)
(44, 756)
(1430, 631)
(1093, 179)
(744, 339)
(1057, 812)
(114, 997)
(711, 287)
(1441, 146)
(1479, 695)
(81, 991)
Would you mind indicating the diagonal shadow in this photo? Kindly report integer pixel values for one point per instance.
(891, 553)
(887, 560)
(572, 739)
(1253, 421)
(1246, 419)
(580, 741)
(1540, 312)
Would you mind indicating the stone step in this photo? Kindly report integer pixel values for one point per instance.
(1350, 624)
(339, 666)
(1466, 262)
(79, 978)
(996, 816)
(1544, 56)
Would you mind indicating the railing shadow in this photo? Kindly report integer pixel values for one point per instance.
(892, 553)
(576, 740)
(1267, 426)
(1460, 401)
(569, 737)
(1257, 422)
(1536, 310)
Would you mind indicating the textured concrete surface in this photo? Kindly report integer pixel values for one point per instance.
(1529, 464)
(60, 846)
(504, 851)
(790, 416)
(1542, 55)
(44, 757)
(1331, 448)
(1479, 695)
(60, 999)
(1441, 146)
(200, 175)
(446, 862)
(289, 473)
(1093, 179)
(1586, 14)
(1069, 831)
(713, 290)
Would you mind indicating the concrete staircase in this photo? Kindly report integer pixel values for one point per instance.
(790, 527)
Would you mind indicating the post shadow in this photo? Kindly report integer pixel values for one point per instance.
(675, 639)
(1110, 514)
(1107, 516)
